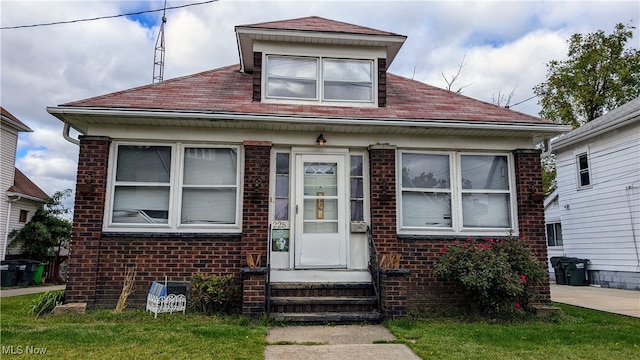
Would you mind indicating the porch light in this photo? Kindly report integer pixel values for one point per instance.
(321, 140)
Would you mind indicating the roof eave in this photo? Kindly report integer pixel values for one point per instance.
(18, 126)
(25, 196)
(572, 139)
(246, 36)
(542, 131)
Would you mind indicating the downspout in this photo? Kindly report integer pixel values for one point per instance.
(65, 134)
(630, 199)
(6, 229)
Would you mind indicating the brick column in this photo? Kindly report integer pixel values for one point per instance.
(531, 207)
(393, 297)
(383, 197)
(254, 291)
(91, 183)
(255, 223)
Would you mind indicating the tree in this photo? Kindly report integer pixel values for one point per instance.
(47, 232)
(455, 77)
(599, 75)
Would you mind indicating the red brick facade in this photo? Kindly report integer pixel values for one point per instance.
(93, 161)
(98, 261)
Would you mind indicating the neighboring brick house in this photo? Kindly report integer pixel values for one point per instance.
(21, 197)
(292, 161)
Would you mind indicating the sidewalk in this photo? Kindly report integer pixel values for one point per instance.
(623, 302)
(29, 290)
(347, 342)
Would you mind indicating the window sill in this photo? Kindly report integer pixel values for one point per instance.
(164, 235)
(315, 102)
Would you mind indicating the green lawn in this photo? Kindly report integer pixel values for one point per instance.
(131, 335)
(577, 334)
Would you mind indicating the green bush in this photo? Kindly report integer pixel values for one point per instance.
(499, 277)
(212, 294)
(45, 302)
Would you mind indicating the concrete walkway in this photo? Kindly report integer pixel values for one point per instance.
(349, 342)
(624, 302)
(29, 290)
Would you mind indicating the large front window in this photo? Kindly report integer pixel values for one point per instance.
(467, 193)
(319, 79)
(175, 186)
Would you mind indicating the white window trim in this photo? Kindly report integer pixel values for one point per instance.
(546, 234)
(319, 100)
(175, 193)
(457, 228)
(366, 215)
(576, 155)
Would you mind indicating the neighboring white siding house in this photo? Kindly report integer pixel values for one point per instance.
(598, 174)
(20, 196)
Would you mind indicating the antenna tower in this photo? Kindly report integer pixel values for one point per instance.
(158, 57)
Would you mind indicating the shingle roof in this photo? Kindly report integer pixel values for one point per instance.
(226, 90)
(24, 186)
(318, 24)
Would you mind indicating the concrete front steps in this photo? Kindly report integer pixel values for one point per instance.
(324, 302)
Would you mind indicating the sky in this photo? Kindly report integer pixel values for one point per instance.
(503, 47)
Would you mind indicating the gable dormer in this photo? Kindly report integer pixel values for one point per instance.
(317, 61)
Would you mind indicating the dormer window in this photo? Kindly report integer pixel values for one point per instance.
(341, 80)
(350, 80)
(291, 77)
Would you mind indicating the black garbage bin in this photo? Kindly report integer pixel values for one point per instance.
(559, 263)
(8, 274)
(576, 270)
(24, 270)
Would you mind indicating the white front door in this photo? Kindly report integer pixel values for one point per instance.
(320, 212)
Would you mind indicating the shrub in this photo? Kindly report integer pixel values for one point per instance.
(498, 277)
(45, 303)
(212, 294)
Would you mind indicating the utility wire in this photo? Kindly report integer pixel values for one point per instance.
(523, 101)
(103, 17)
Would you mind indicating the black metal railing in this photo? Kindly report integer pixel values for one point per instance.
(268, 276)
(374, 265)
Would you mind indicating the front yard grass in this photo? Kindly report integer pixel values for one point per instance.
(134, 334)
(101, 334)
(576, 334)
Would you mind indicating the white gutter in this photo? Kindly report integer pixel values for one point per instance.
(387, 122)
(25, 196)
(65, 134)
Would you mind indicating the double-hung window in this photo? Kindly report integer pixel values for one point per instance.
(174, 186)
(486, 197)
(426, 191)
(554, 234)
(584, 178)
(463, 193)
(319, 79)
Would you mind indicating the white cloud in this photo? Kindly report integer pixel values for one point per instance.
(506, 44)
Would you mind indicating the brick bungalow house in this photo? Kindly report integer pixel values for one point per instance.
(298, 171)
